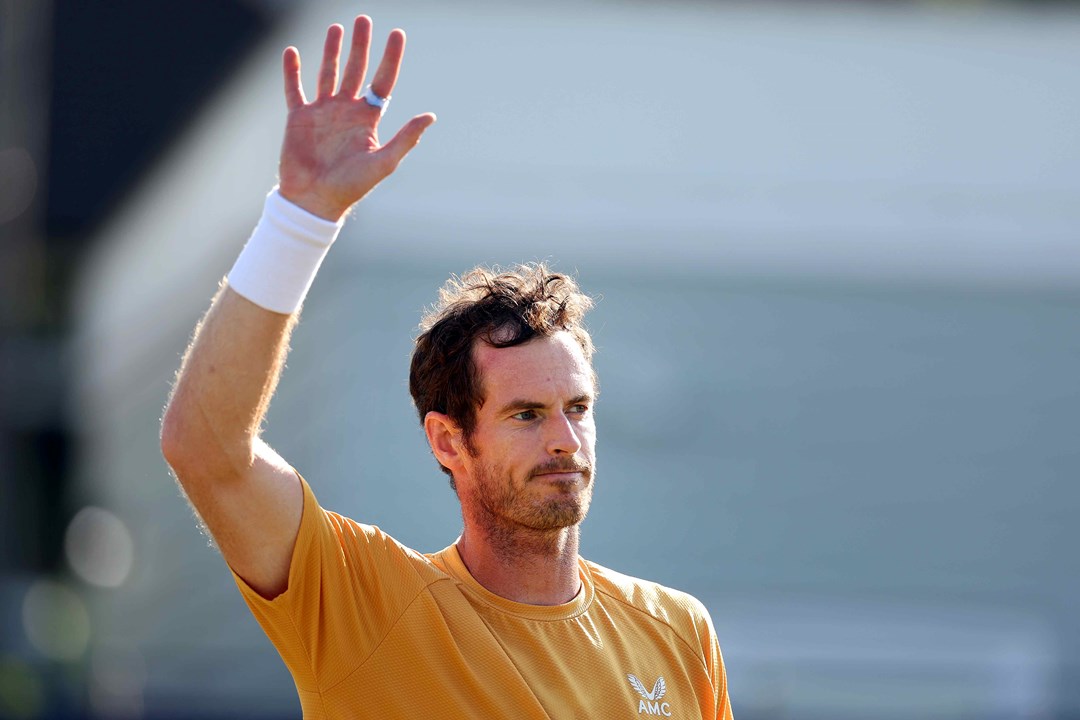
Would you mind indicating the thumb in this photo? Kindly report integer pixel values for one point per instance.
(406, 138)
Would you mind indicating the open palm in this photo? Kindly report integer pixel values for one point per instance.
(331, 156)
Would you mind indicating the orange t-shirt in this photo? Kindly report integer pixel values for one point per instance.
(370, 628)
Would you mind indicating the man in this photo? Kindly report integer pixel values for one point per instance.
(508, 622)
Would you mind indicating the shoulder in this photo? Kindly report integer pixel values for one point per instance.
(361, 544)
(681, 611)
(358, 548)
(672, 614)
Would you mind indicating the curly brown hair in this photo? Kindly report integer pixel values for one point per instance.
(500, 307)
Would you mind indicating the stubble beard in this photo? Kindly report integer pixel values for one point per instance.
(509, 508)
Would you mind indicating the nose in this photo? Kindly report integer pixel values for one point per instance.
(562, 436)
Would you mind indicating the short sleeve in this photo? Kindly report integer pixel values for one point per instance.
(348, 584)
(714, 661)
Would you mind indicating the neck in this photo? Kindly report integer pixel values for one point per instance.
(526, 566)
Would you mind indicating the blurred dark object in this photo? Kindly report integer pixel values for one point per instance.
(92, 94)
(126, 77)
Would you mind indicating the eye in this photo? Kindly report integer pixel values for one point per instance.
(525, 415)
(579, 409)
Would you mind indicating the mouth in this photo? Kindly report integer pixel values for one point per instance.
(563, 475)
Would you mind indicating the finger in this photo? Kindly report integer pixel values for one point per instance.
(406, 139)
(329, 68)
(387, 74)
(294, 89)
(356, 67)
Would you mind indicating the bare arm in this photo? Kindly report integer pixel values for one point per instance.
(248, 496)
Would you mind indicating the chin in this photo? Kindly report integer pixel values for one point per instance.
(559, 514)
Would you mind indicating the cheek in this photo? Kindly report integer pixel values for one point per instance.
(588, 436)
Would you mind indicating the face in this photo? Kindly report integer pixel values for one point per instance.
(532, 454)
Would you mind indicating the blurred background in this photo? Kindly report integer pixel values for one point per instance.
(836, 248)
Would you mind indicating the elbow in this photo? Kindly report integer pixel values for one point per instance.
(174, 448)
(183, 439)
(196, 451)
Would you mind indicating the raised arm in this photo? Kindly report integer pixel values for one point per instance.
(248, 496)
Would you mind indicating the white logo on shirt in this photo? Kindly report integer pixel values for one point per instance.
(651, 704)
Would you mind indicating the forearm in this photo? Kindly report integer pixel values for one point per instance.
(230, 371)
(224, 387)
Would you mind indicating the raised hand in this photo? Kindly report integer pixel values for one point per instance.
(331, 156)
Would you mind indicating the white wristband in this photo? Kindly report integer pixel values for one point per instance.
(279, 262)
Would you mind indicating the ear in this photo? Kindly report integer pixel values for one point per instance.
(444, 437)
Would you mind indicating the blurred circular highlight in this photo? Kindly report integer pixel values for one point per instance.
(56, 621)
(117, 679)
(99, 547)
(22, 695)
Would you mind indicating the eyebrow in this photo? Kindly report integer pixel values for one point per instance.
(523, 404)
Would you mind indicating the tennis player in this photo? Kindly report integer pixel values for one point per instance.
(508, 621)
